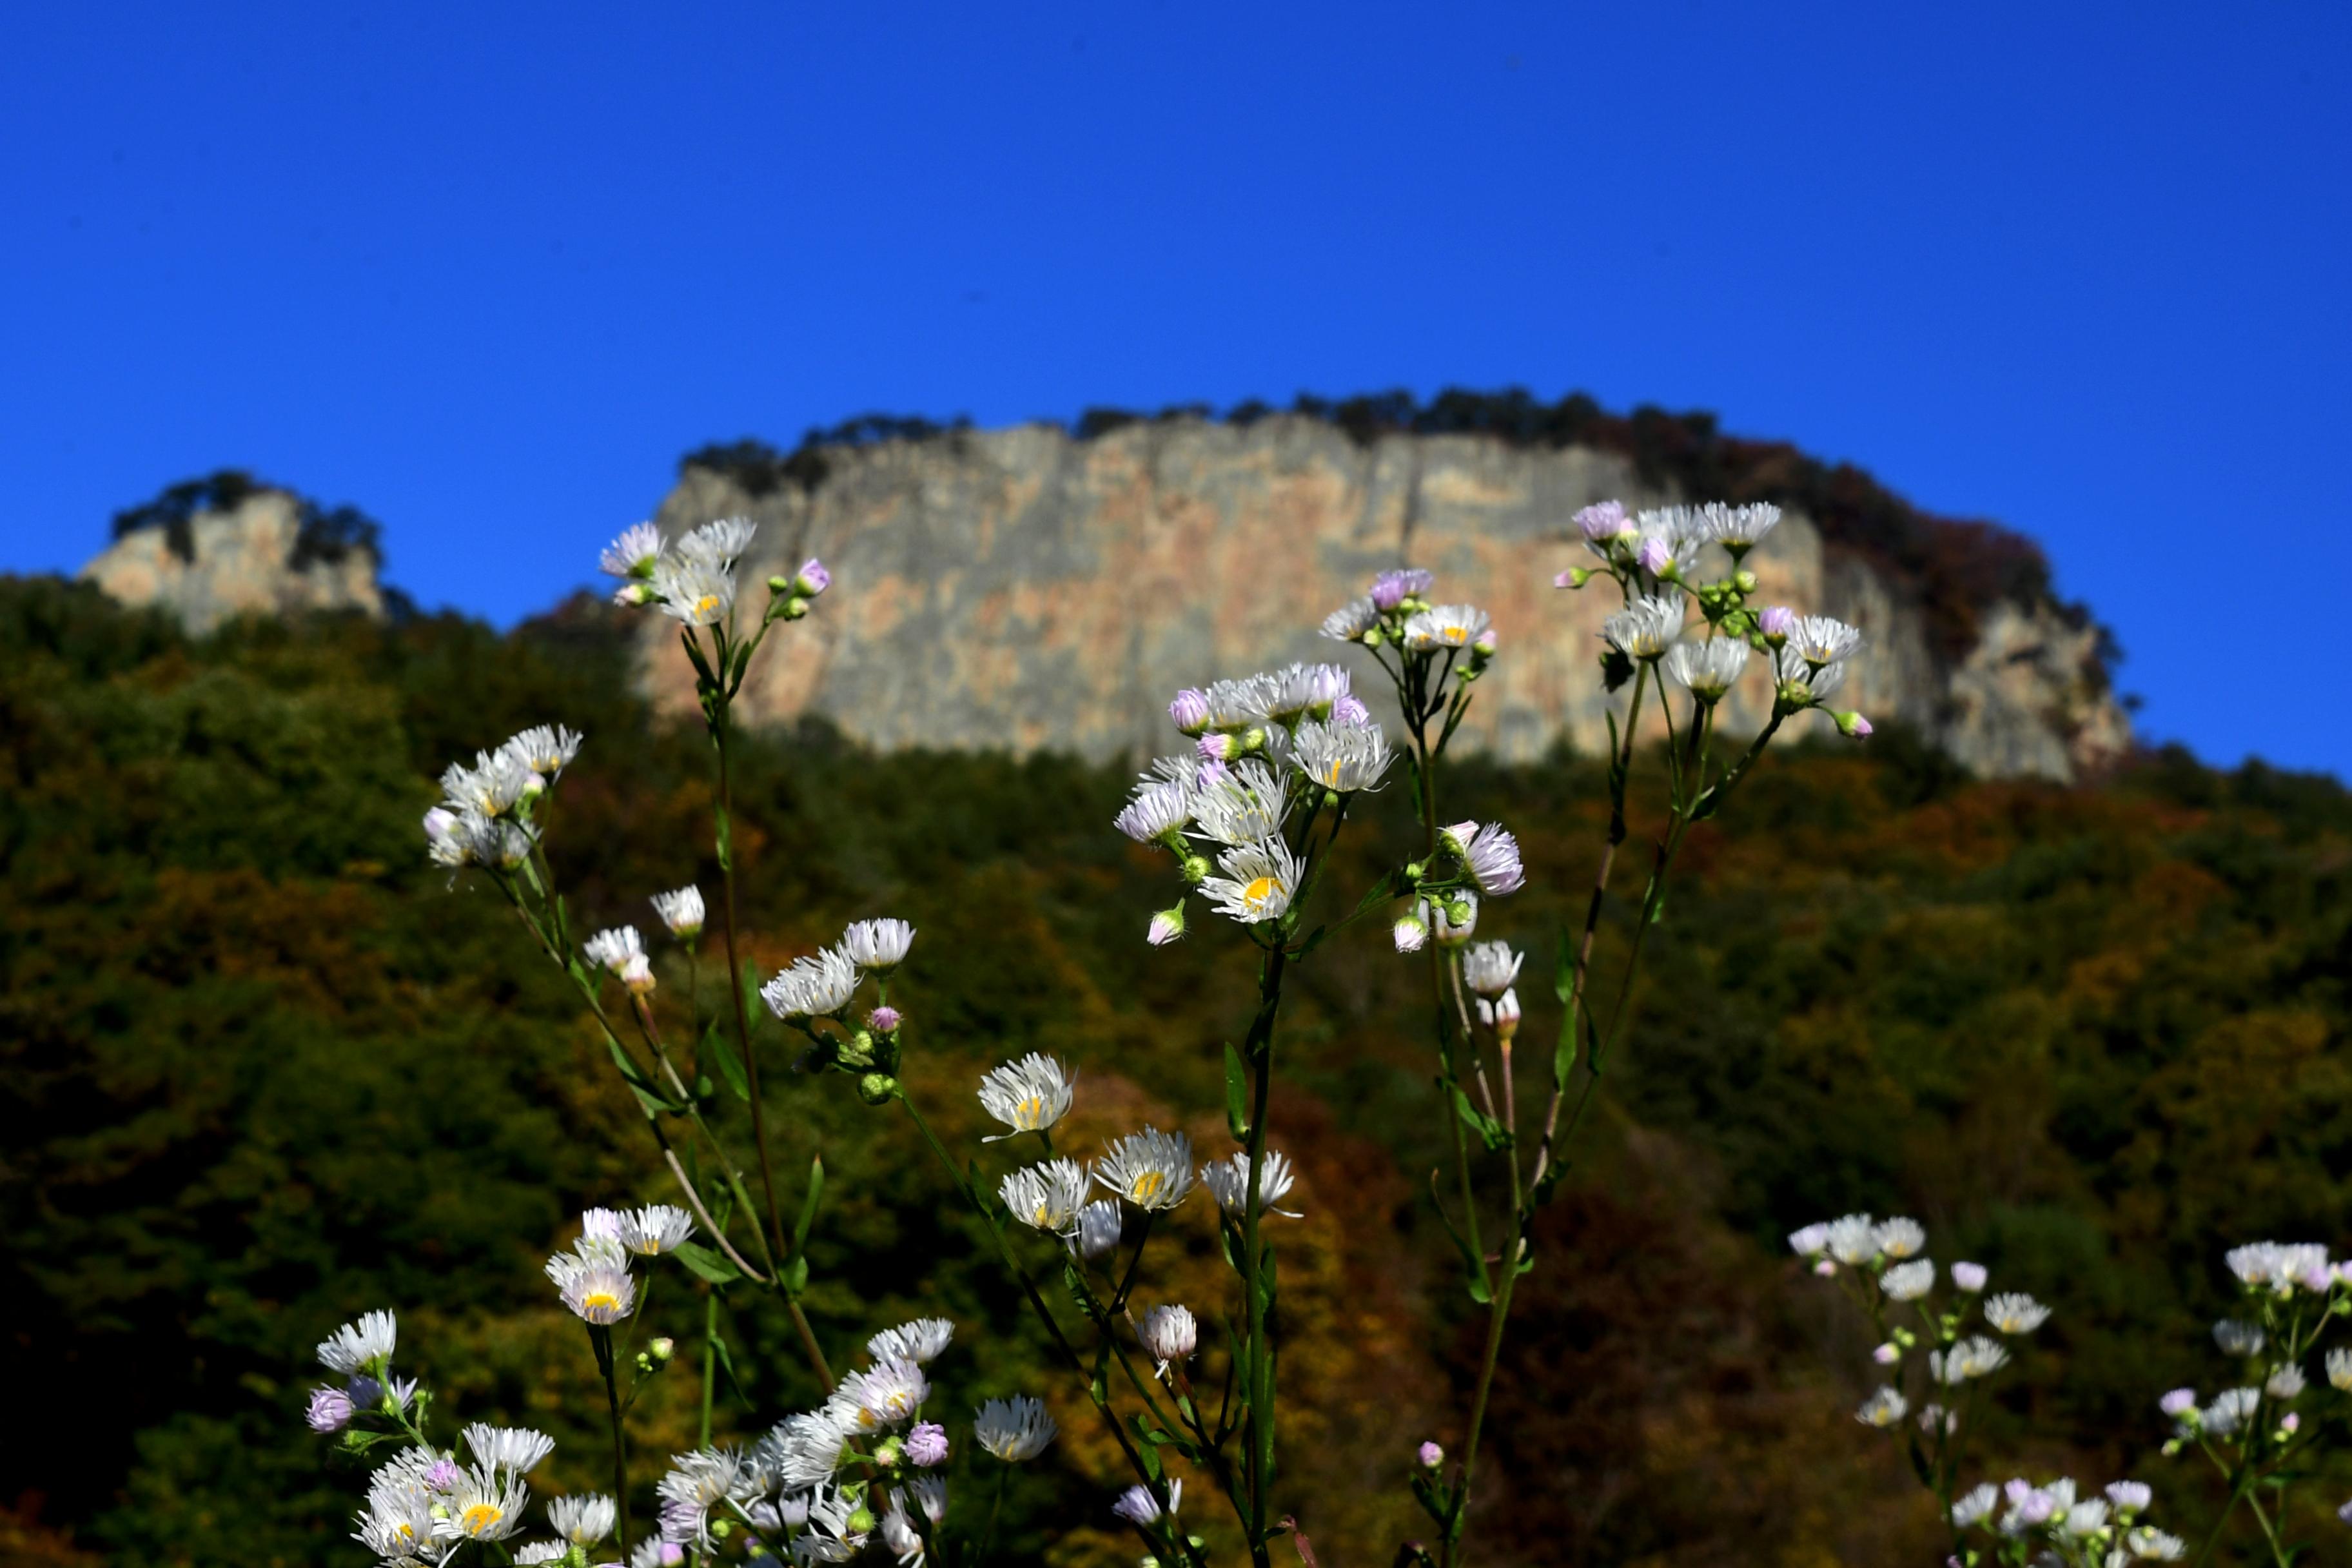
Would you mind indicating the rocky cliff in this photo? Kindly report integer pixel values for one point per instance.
(1026, 589)
(229, 545)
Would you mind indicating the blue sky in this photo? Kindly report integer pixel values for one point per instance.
(487, 272)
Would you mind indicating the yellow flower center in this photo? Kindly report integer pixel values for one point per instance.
(707, 605)
(1045, 1217)
(600, 1300)
(1454, 635)
(479, 1517)
(1029, 1113)
(1146, 1185)
(1259, 892)
(1332, 774)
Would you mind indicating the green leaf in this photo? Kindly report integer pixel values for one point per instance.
(807, 1216)
(727, 1365)
(705, 1264)
(1563, 975)
(1236, 1095)
(1490, 1131)
(1616, 669)
(1473, 1267)
(717, 1049)
(694, 652)
(796, 1276)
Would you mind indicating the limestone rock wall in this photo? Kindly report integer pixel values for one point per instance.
(242, 564)
(1020, 588)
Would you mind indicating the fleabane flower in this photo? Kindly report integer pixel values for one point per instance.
(926, 1444)
(1095, 1234)
(1707, 669)
(2147, 1542)
(1393, 588)
(1490, 967)
(1852, 1238)
(1027, 1096)
(514, 1449)
(1156, 815)
(2237, 1338)
(1167, 925)
(397, 1522)
(1245, 805)
(1342, 758)
(1974, 1506)
(1170, 1333)
(329, 1410)
(360, 1345)
(1968, 1277)
(1259, 881)
(878, 945)
(1491, 855)
(599, 1295)
(2339, 1370)
(919, 1341)
(1899, 1237)
(1411, 932)
(1015, 1430)
(1150, 1168)
(1602, 524)
(584, 1519)
(545, 748)
(1646, 628)
(1351, 620)
(1303, 691)
(632, 554)
(718, 543)
(1047, 1195)
(888, 1393)
(1457, 626)
(698, 593)
(1228, 1182)
(1908, 1281)
(1823, 640)
(1882, 1409)
(611, 950)
(484, 1508)
(2014, 1312)
(681, 911)
(1140, 1506)
(816, 986)
(1736, 528)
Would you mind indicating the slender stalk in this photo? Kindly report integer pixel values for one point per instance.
(601, 1337)
(721, 725)
(709, 1359)
(995, 1508)
(1261, 1434)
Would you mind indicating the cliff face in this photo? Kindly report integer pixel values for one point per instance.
(1021, 588)
(245, 558)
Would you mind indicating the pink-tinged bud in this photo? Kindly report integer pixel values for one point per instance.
(1852, 726)
(1968, 1277)
(2017, 1491)
(1218, 748)
(2178, 1402)
(1656, 555)
(1191, 711)
(2290, 1423)
(1825, 1268)
(1776, 623)
(439, 822)
(1348, 710)
(813, 579)
(1432, 1456)
(2345, 1513)
(926, 1444)
(883, 1020)
(330, 1410)
(1602, 519)
(1486, 643)
(1390, 589)
(442, 1476)
(1886, 1355)
(1166, 927)
(1574, 577)
(1412, 933)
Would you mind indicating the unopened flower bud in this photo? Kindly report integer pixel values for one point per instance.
(2288, 1424)
(1191, 711)
(794, 608)
(1968, 1277)
(1776, 623)
(813, 579)
(1196, 868)
(442, 1476)
(926, 1444)
(887, 1451)
(1432, 1456)
(1887, 1355)
(1744, 580)
(1412, 932)
(1218, 748)
(877, 1088)
(857, 1051)
(721, 1528)
(2178, 1402)
(1825, 1268)
(1574, 577)
(661, 1348)
(883, 1020)
(330, 1410)
(637, 974)
(860, 1521)
(1851, 725)
(1374, 638)
(1166, 927)
(779, 584)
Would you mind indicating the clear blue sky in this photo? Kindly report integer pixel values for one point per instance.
(486, 270)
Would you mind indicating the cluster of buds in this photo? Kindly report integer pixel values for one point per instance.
(694, 580)
(369, 1400)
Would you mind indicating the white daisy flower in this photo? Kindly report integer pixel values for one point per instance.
(2339, 1369)
(1908, 1281)
(1259, 881)
(918, 1341)
(681, 911)
(1158, 811)
(1707, 669)
(1974, 1356)
(1854, 1238)
(612, 949)
(1243, 804)
(718, 543)
(1228, 1182)
(2086, 1518)
(2155, 1545)
(698, 593)
(1351, 620)
(2285, 1382)
(361, 1345)
(1342, 758)
(888, 1393)
(2238, 1339)
(1969, 1277)
(1445, 626)
(515, 1449)
(484, 1508)
(632, 554)
(1823, 640)
(878, 945)
(532, 1552)
(1490, 967)
(1014, 1429)
(1047, 1196)
(816, 986)
(1170, 1333)
(2231, 1409)
(1096, 1236)
(803, 1450)
(1305, 690)
(1975, 1505)
(1736, 527)
(1490, 854)
(2015, 1312)
(1810, 1241)
(1150, 1168)
(1027, 1096)
(397, 1523)
(545, 748)
(656, 1229)
(583, 1520)
(1901, 1237)
(1239, 704)
(597, 1293)
(1646, 628)
(1882, 1409)
(1138, 1506)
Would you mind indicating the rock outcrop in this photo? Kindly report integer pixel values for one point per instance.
(1027, 589)
(263, 552)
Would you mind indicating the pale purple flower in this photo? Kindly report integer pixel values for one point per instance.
(813, 579)
(1219, 747)
(1656, 555)
(882, 1020)
(442, 1476)
(1191, 710)
(1777, 622)
(926, 1444)
(1432, 1456)
(1968, 1277)
(330, 1410)
(1603, 521)
(1348, 710)
(1390, 589)
(2178, 1402)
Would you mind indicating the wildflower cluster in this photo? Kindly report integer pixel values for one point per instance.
(820, 989)
(490, 811)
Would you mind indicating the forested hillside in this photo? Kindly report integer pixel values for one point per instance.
(261, 1067)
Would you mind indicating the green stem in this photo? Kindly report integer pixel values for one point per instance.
(1261, 1427)
(601, 1337)
(709, 1359)
(722, 722)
